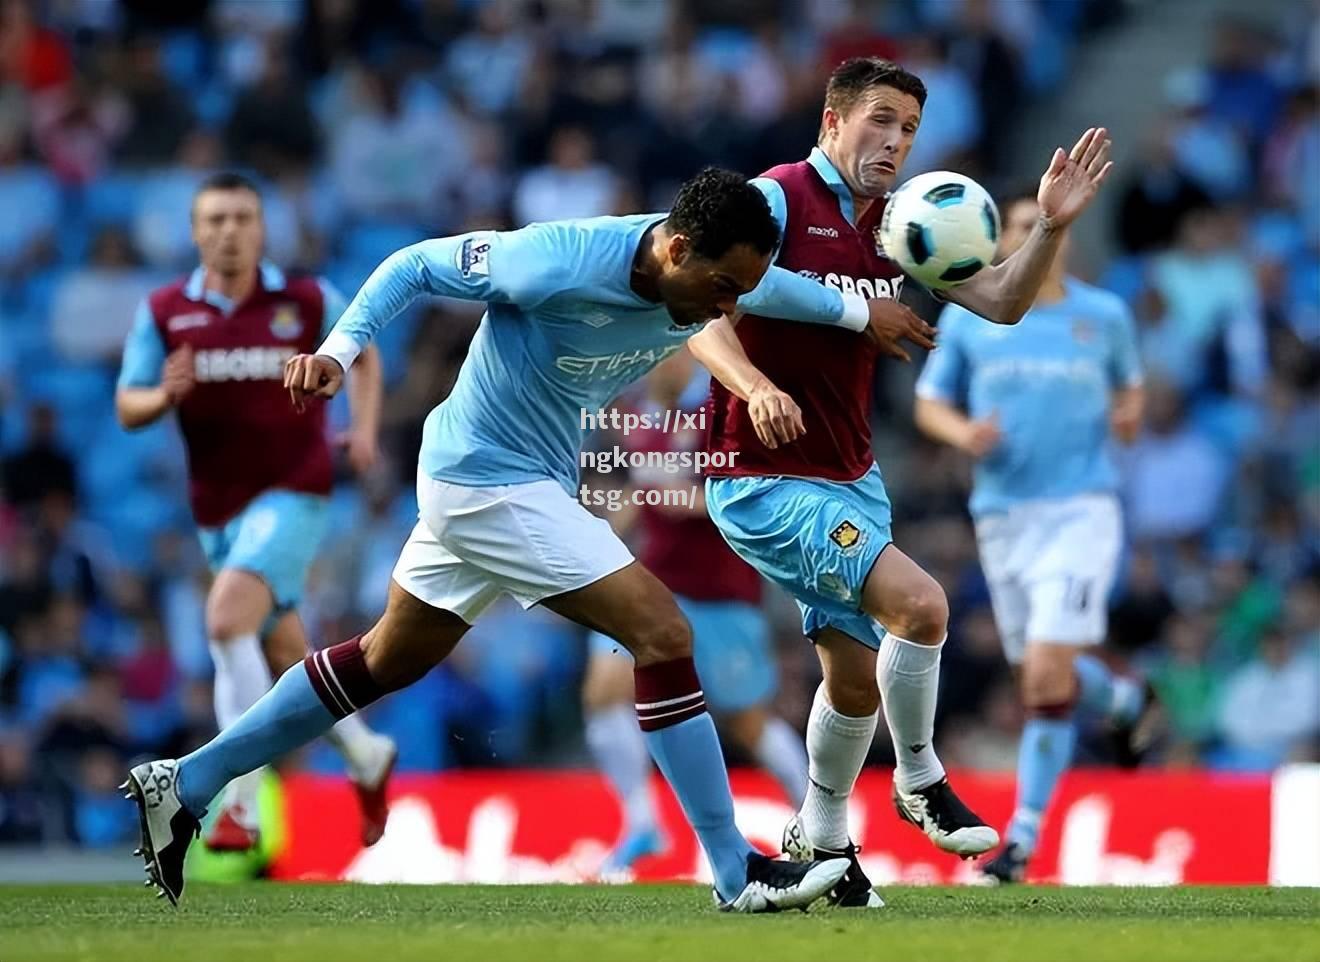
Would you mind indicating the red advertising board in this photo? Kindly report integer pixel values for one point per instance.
(1105, 827)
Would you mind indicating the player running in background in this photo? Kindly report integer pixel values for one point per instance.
(1036, 405)
(809, 509)
(213, 348)
(721, 597)
(576, 310)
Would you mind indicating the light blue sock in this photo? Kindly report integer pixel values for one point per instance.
(689, 756)
(1045, 751)
(286, 717)
(1101, 692)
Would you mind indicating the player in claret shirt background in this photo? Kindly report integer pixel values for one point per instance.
(213, 347)
(809, 511)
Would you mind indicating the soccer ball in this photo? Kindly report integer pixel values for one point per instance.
(941, 228)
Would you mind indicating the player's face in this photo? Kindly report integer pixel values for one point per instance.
(869, 143)
(697, 289)
(1019, 221)
(228, 230)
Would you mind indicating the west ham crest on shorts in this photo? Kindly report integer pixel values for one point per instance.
(845, 535)
(285, 323)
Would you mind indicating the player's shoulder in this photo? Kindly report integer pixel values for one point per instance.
(1103, 304)
(566, 254)
(787, 173)
(169, 298)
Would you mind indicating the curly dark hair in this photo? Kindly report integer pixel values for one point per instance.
(855, 76)
(717, 209)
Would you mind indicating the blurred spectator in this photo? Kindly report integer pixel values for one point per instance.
(1292, 159)
(1187, 683)
(1208, 147)
(41, 466)
(951, 119)
(162, 229)
(76, 127)
(108, 290)
(161, 115)
(1156, 198)
(487, 65)
(570, 184)
(23, 808)
(1271, 708)
(271, 127)
(1241, 88)
(30, 54)
(26, 242)
(1175, 477)
(980, 47)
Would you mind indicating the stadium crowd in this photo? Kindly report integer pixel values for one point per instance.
(373, 125)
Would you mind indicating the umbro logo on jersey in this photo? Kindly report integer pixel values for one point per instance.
(181, 322)
(823, 231)
(598, 319)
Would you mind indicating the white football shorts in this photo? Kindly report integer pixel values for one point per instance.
(530, 540)
(1050, 565)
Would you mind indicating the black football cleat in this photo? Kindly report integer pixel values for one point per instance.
(947, 822)
(167, 828)
(1008, 867)
(854, 890)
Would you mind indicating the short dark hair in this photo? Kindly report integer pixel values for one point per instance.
(855, 76)
(228, 180)
(717, 209)
(1019, 194)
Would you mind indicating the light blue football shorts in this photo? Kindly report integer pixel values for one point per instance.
(731, 648)
(275, 537)
(816, 539)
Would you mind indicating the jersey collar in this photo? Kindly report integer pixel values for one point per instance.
(834, 181)
(271, 279)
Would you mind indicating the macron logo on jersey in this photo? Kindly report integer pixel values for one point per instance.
(822, 231)
(242, 363)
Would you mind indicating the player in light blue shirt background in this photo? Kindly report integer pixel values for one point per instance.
(1038, 406)
(576, 311)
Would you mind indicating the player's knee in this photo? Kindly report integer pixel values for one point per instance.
(663, 639)
(224, 625)
(1047, 684)
(924, 617)
(853, 695)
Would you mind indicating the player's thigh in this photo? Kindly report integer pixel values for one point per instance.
(634, 607)
(848, 666)
(609, 676)
(733, 653)
(1071, 573)
(410, 639)
(905, 599)
(815, 539)
(238, 603)
(276, 538)
(285, 642)
(745, 726)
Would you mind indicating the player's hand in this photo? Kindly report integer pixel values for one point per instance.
(179, 376)
(776, 418)
(1073, 179)
(1125, 422)
(892, 322)
(361, 449)
(312, 375)
(983, 436)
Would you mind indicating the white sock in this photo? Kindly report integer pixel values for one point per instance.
(241, 677)
(909, 677)
(617, 745)
(836, 749)
(364, 752)
(781, 752)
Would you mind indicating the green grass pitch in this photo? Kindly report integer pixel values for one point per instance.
(326, 923)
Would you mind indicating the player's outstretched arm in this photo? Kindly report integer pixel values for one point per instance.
(945, 423)
(365, 392)
(792, 297)
(776, 418)
(1005, 292)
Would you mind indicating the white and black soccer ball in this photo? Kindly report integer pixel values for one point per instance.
(940, 227)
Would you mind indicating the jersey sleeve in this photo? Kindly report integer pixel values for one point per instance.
(792, 297)
(1124, 352)
(521, 267)
(333, 305)
(144, 351)
(944, 378)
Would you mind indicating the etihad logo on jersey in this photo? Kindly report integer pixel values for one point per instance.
(866, 286)
(285, 324)
(631, 363)
(242, 363)
(822, 231)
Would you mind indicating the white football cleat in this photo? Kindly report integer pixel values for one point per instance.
(773, 884)
(167, 828)
(947, 822)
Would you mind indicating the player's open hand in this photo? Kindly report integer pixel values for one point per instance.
(776, 418)
(892, 322)
(312, 375)
(1073, 179)
(179, 375)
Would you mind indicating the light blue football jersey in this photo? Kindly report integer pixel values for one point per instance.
(563, 332)
(1048, 380)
